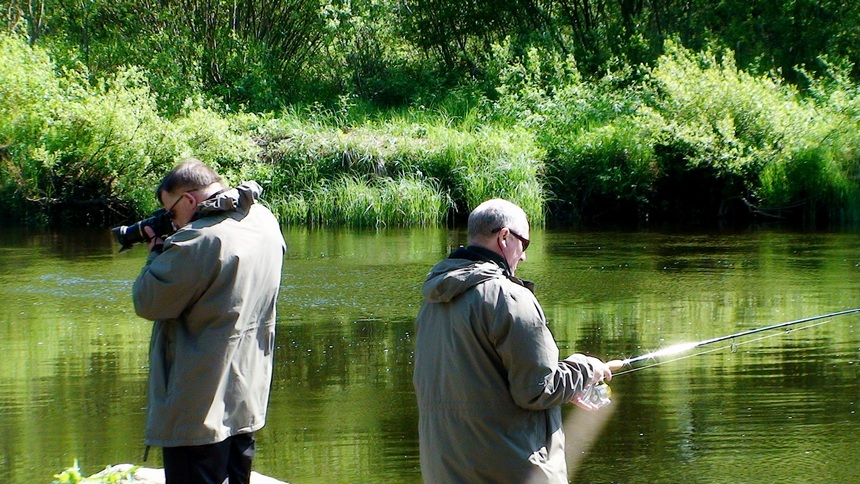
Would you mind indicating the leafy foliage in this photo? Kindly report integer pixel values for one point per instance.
(754, 137)
(110, 475)
(598, 161)
(576, 108)
(73, 151)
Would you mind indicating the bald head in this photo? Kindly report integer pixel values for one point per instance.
(494, 214)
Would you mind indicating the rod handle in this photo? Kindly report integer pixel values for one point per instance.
(615, 364)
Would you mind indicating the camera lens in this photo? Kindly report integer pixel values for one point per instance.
(128, 235)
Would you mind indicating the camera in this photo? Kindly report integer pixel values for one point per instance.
(128, 235)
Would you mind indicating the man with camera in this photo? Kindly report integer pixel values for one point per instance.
(211, 289)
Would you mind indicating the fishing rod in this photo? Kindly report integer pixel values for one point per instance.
(682, 347)
(597, 396)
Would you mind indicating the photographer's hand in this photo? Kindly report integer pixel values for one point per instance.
(155, 243)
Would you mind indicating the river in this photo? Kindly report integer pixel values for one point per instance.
(779, 406)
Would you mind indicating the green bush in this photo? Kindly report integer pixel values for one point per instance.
(81, 152)
(751, 136)
(681, 140)
(224, 141)
(598, 160)
(29, 90)
(605, 172)
(71, 148)
(110, 475)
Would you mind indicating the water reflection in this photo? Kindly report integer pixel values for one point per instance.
(778, 409)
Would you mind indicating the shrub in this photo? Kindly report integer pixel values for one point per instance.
(605, 172)
(222, 140)
(110, 475)
(73, 150)
(91, 153)
(597, 160)
(28, 92)
(746, 136)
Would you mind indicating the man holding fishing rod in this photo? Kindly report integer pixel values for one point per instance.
(210, 287)
(487, 374)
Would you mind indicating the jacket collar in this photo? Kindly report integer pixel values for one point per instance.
(237, 199)
(480, 254)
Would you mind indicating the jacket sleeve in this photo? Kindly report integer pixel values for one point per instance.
(537, 380)
(170, 282)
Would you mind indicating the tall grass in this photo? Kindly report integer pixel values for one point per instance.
(465, 167)
(383, 202)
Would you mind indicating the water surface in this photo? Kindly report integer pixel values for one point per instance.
(782, 408)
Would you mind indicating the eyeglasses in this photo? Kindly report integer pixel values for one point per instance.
(524, 240)
(170, 211)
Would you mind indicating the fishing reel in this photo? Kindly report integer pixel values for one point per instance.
(598, 395)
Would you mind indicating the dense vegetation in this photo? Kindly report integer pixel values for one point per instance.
(403, 112)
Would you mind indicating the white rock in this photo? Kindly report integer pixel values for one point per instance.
(146, 475)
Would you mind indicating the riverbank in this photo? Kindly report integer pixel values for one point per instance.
(692, 139)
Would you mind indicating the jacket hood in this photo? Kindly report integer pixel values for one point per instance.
(237, 199)
(452, 277)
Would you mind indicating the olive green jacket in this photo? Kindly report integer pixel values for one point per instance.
(212, 294)
(487, 377)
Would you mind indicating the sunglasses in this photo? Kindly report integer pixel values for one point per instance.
(524, 240)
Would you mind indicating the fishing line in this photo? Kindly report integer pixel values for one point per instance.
(713, 350)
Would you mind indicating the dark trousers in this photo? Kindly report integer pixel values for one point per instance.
(225, 462)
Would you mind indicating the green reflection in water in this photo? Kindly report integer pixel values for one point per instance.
(782, 409)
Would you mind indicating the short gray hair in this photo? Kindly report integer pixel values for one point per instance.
(494, 214)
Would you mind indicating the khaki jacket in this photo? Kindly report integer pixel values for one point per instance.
(212, 294)
(487, 377)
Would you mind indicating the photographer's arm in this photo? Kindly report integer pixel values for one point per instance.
(171, 280)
